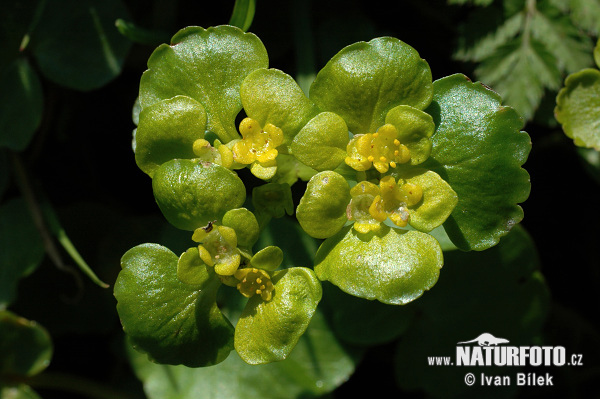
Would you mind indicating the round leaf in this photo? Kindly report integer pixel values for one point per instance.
(478, 149)
(167, 130)
(267, 331)
(321, 144)
(364, 81)
(317, 365)
(191, 269)
(25, 346)
(81, 48)
(272, 96)
(415, 127)
(322, 209)
(578, 108)
(438, 199)
(393, 266)
(268, 258)
(209, 66)
(174, 323)
(245, 225)
(22, 104)
(191, 194)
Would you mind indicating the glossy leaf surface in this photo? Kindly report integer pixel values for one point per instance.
(174, 323)
(209, 66)
(322, 209)
(191, 194)
(478, 149)
(578, 108)
(245, 225)
(364, 81)
(393, 266)
(167, 130)
(317, 365)
(267, 331)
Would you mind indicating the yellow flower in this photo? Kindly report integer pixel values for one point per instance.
(372, 204)
(218, 248)
(381, 150)
(254, 281)
(258, 147)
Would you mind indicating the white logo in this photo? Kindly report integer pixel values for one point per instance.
(486, 339)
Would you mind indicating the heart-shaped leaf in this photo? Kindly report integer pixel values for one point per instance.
(167, 130)
(364, 81)
(25, 346)
(478, 149)
(578, 108)
(393, 266)
(191, 194)
(272, 96)
(267, 331)
(209, 66)
(191, 269)
(321, 144)
(322, 209)
(174, 323)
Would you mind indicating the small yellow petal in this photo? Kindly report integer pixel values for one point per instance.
(249, 126)
(376, 209)
(267, 156)
(200, 146)
(414, 193)
(226, 156)
(228, 266)
(205, 256)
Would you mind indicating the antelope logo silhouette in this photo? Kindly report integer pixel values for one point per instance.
(486, 339)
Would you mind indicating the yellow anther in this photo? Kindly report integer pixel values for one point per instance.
(254, 281)
(380, 150)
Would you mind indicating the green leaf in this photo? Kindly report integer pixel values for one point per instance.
(359, 321)
(267, 331)
(167, 130)
(191, 194)
(80, 49)
(298, 248)
(140, 35)
(22, 248)
(273, 199)
(174, 323)
(243, 14)
(26, 347)
(268, 258)
(478, 149)
(191, 269)
(321, 144)
(272, 96)
(209, 66)
(364, 81)
(16, 22)
(22, 104)
(317, 365)
(393, 266)
(245, 225)
(289, 170)
(322, 209)
(578, 108)
(438, 200)
(502, 286)
(415, 128)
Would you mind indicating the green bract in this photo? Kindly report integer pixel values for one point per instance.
(578, 106)
(394, 160)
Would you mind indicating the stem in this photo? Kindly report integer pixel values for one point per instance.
(40, 222)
